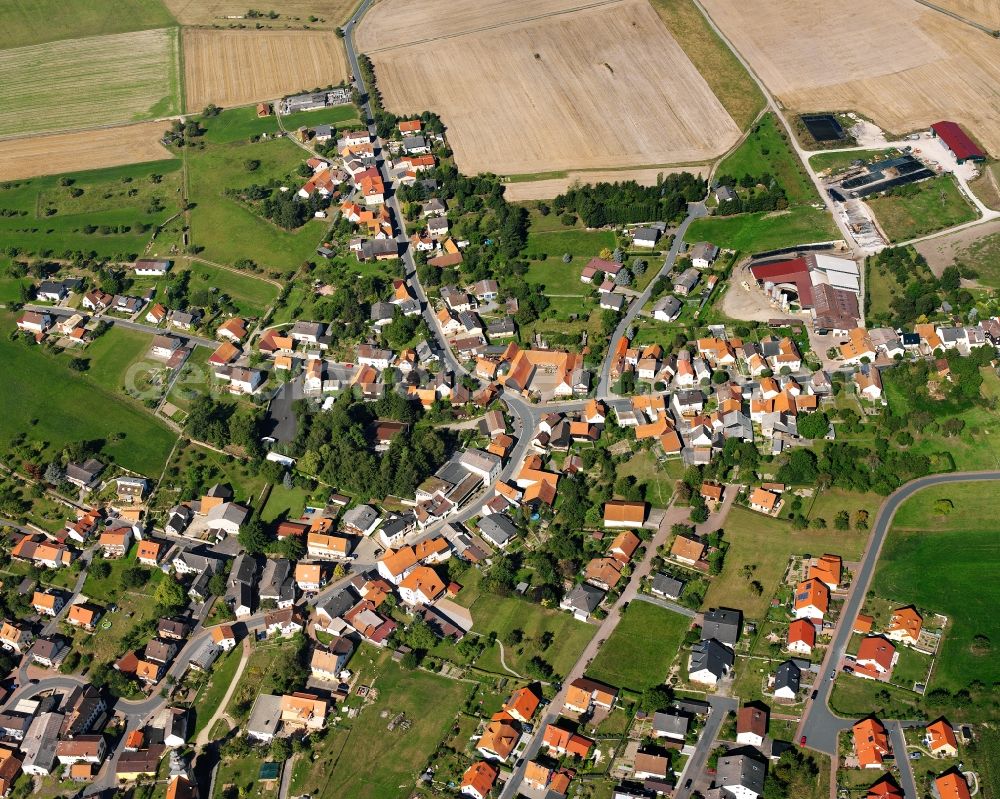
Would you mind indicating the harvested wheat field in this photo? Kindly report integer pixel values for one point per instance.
(985, 12)
(229, 67)
(547, 85)
(79, 83)
(55, 153)
(325, 14)
(547, 188)
(898, 62)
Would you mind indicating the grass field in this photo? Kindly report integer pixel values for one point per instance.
(827, 504)
(113, 353)
(27, 22)
(214, 468)
(730, 82)
(767, 544)
(581, 244)
(502, 614)
(87, 223)
(651, 474)
(983, 255)
(922, 208)
(766, 151)
(750, 233)
(836, 162)
(214, 691)
(250, 294)
(641, 648)
(229, 231)
(284, 503)
(947, 564)
(393, 758)
(987, 186)
(51, 403)
(122, 77)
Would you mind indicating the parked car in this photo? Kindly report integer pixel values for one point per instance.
(802, 741)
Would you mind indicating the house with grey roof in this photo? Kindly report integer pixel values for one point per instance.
(39, 745)
(382, 313)
(265, 718)
(740, 774)
(685, 282)
(670, 725)
(665, 586)
(277, 583)
(722, 624)
(710, 661)
(645, 236)
(84, 474)
(787, 680)
(667, 308)
(498, 529)
(703, 254)
(582, 600)
(361, 519)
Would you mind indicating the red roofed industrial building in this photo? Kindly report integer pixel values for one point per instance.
(958, 141)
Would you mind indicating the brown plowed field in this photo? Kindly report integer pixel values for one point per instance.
(232, 67)
(895, 61)
(530, 86)
(88, 149)
(985, 12)
(291, 13)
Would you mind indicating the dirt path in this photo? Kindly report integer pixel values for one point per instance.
(203, 736)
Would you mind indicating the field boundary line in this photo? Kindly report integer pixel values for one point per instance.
(498, 26)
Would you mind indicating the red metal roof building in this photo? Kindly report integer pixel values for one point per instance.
(956, 139)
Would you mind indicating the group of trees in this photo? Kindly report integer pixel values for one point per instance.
(336, 446)
(224, 423)
(761, 193)
(627, 202)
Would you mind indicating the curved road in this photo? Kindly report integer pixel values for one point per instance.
(819, 724)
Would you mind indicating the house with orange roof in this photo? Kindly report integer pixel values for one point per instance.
(500, 737)
(858, 346)
(671, 443)
(328, 547)
(711, 493)
(905, 626)
(764, 501)
(875, 659)
(583, 694)
(14, 638)
(622, 513)
(422, 586)
(478, 779)
(801, 637)
(871, 743)
(827, 569)
(84, 615)
(115, 543)
(309, 577)
(150, 552)
(225, 353)
(233, 330)
(624, 546)
(148, 671)
(885, 788)
(952, 785)
(659, 427)
(224, 637)
(595, 412)
(863, 624)
(303, 711)
(687, 550)
(928, 335)
(47, 603)
(563, 742)
(939, 736)
(811, 600)
(604, 572)
(394, 566)
(522, 704)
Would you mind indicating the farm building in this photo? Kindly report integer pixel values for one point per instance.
(958, 141)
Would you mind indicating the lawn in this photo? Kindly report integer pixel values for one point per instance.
(766, 151)
(503, 614)
(113, 353)
(208, 467)
(113, 217)
(921, 208)
(837, 162)
(342, 116)
(214, 691)
(828, 503)
(752, 233)
(73, 83)
(723, 72)
(250, 294)
(639, 652)
(43, 398)
(854, 697)
(242, 772)
(948, 564)
(37, 21)
(284, 503)
(650, 474)
(767, 544)
(582, 244)
(237, 125)
(229, 231)
(557, 278)
(392, 759)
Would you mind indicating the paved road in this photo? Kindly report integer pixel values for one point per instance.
(126, 323)
(899, 750)
(667, 604)
(819, 724)
(695, 766)
(695, 211)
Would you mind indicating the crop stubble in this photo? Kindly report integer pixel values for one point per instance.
(548, 85)
(57, 153)
(898, 62)
(291, 13)
(235, 67)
